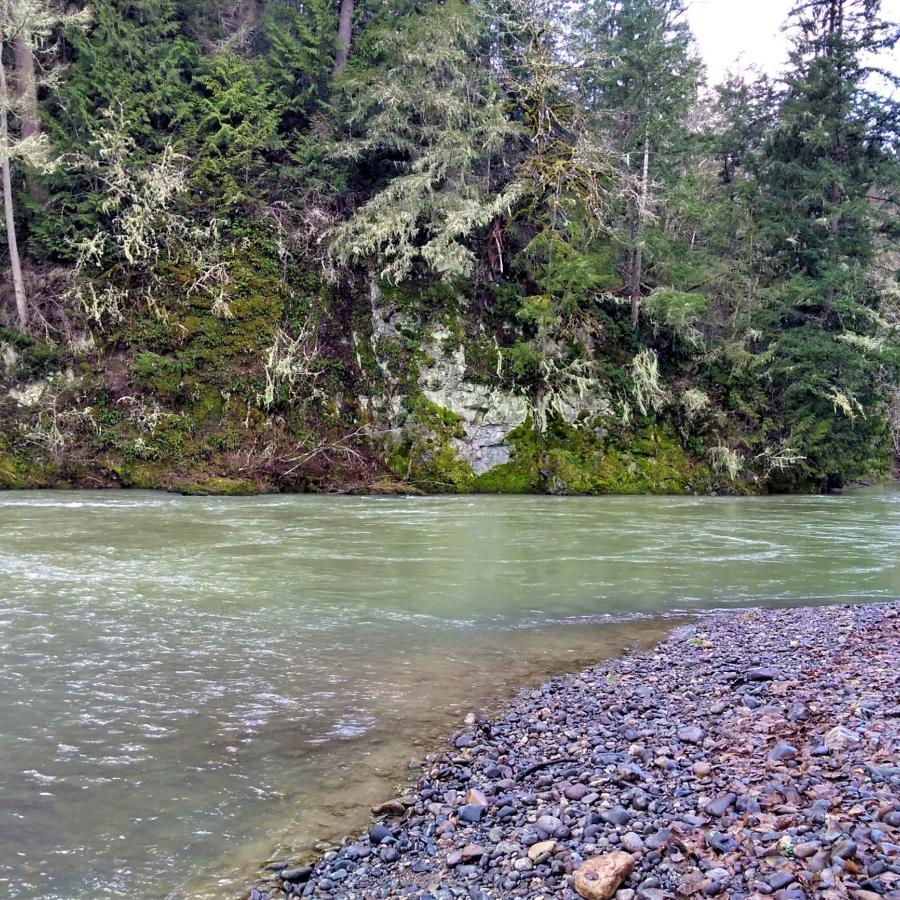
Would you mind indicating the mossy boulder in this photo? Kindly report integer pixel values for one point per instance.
(217, 486)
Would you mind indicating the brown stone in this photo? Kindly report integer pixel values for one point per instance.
(471, 852)
(390, 808)
(474, 797)
(600, 877)
(541, 848)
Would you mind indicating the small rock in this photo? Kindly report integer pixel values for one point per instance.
(844, 850)
(691, 735)
(720, 805)
(471, 852)
(600, 877)
(781, 751)
(618, 815)
(541, 849)
(389, 808)
(701, 769)
(780, 880)
(721, 843)
(474, 797)
(471, 813)
(576, 792)
(550, 824)
(378, 833)
(632, 842)
(655, 841)
(301, 873)
(762, 674)
(840, 738)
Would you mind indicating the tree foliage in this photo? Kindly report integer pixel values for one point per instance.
(554, 177)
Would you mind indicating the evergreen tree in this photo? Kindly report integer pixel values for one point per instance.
(640, 86)
(132, 61)
(22, 23)
(831, 146)
(424, 121)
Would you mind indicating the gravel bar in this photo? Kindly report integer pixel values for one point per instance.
(753, 754)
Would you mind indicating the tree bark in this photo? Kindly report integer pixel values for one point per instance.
(5, 149)
(26, 82)
(638, 251)
(345, 35)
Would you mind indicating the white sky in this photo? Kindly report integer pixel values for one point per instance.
(750, 30)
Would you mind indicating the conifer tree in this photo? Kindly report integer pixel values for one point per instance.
(22, 23)
(835, 136)
(640, 86)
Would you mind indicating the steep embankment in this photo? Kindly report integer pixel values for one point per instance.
(292, 385)
(752, 755)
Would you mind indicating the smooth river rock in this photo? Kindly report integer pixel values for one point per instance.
(599, 878)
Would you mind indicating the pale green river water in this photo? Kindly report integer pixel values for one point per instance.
(190, 686)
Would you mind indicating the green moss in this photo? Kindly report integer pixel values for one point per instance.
(217, 486)
(569, 460)
(18, 471)
(141, 475)
(11, 477)
(509, 478)
(36, 358)
(424, 454)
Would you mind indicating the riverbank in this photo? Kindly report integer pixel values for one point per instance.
(753, 754)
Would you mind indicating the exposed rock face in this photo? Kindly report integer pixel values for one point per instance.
(488, 414)
(28, 394)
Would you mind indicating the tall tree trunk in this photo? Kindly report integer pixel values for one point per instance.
(638, 251)
(345, 35)
(835, 194)
(26, 94)
(26, 82)
(5, 149)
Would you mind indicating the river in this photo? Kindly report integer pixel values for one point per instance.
(191, 685)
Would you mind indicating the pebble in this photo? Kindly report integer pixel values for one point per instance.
(691, 735)
(632, 842)
(471, 812)
(720, 805)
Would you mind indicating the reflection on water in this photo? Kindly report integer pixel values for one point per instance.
(187, 682)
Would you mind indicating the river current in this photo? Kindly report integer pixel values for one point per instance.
(189, 686)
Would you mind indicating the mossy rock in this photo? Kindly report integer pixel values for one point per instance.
(217, 486)
(18, 472)
(425, 456)
(11, 475)
(568, 460)
(141, 475)
(515, 477)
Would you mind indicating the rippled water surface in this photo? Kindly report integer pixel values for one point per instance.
(189, 685)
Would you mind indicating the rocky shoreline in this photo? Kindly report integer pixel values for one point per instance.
(753, 754)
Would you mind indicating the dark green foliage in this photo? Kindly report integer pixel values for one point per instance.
(830, 147)
(690, 289)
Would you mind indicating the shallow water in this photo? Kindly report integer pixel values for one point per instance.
(190, 685)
